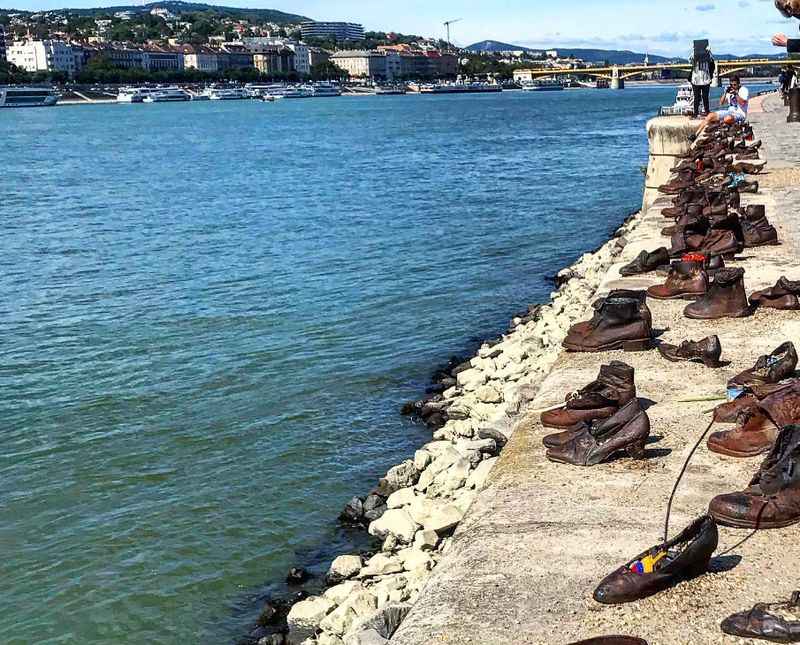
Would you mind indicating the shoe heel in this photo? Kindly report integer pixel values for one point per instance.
(636, 450)
(637, 345)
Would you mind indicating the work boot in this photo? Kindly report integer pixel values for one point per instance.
(758, 426)
(753, 435)
(777, 622)
(784, 295)
(619, 324)
(749, 398)
(583, 328)
(627, 431)
(600, 399)
(706, 351)
(646, 262)
(686, 280)
(772, 500)
(771, 368)
(720, 243)
(725, 298)
(663, 566)
(759, 233)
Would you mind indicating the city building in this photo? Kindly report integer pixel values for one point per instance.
(203, 59)
(332, 30)
(160, 12)
(42, 56)
(273, 59)
(317, 56)
(362, 63)
(302, 54)
(234, 56)
(162, 58)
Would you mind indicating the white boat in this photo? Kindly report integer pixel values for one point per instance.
(325, 90)
(388, 90)
(168, 95)
(455, 88)
(298, 92)
(13, 97)
(543, 85)
(133, 94)
(684, 103)
(227, 94)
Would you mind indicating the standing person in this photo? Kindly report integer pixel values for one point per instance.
(703, 67)
(789, 9)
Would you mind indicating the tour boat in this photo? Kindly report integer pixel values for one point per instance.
(168, 95)
(385, 90)
(684, 102)
(301, 92)
(231, 94)
(133, 94)
(14, 97)
(456, 88)
(325, 90)
(543, 85)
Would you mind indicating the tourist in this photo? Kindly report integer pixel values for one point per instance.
(703, 67)
(790, 9)
(735, 102)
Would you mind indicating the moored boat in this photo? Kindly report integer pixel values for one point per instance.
(543, 85)
(168, 95)
(14, 97)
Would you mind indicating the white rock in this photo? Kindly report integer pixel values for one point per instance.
(305, 617)
(426, 540)
(422, 508)
(381, 564)
(365, 637)
(477, 477)
(339, 593)
(470, 380)
(338, 622)
(444, 518)
(464, 500)
(344, 567)
(488, 394)
(417, 560)
(422, 459)
(400, 498)
(396, 522)
(401, 476)
(450, 480)
(329, 639)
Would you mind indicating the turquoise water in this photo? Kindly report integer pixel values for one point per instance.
(211, 313)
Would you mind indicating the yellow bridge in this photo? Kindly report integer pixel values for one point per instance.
(617, 74)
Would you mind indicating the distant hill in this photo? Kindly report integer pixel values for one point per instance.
(613, 56)
(178, 7)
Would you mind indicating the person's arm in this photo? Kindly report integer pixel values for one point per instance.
(724, 99)
(780, 40)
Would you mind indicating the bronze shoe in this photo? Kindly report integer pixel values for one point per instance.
(686, 280)
(777, 622)
(646, 262)
(627, 430)
(775, 367)
(619, 324)
(683, 558)
(754, 434)
(726, 298)
(600, 399)
(773, 498)
(751, 396)
(707, 351)
(784, 295)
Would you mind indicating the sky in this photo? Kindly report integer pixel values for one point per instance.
(664, 27)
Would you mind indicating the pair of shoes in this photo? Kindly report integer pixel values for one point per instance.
(776, 622)
(593, 442)
(621, 321)
(602, 398)
(773, 498)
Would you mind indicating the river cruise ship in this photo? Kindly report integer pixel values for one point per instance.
(325, 90)
(14, 97)
(133, 94)
(228, 94)
(168, 95)
(543, 85)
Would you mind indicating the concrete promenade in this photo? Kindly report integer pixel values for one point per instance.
(541, 535)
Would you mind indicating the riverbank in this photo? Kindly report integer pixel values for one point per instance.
(524, 562)
(418, 505)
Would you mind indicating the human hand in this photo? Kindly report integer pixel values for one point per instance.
(780, 40)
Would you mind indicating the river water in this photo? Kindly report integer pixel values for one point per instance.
(210, 314)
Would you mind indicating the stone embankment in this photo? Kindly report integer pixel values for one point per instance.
(418, 504)
(523, 564)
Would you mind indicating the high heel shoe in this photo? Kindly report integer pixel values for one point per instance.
(591, 444)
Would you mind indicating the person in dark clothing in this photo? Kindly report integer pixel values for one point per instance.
(789, 9)
(703, 67)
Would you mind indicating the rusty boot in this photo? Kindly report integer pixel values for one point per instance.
(619, 324)
(686, 280)
(726, 298)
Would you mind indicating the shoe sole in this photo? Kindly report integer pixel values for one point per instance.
(733, 453)
(737, 523)
(681, 296)
(641, 345)
(740, 314)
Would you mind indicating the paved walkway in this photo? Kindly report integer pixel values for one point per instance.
(542, 535)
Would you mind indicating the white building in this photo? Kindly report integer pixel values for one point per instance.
(43, 56)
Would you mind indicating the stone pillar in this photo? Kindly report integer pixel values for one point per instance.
(668, 138)
(617, 83)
